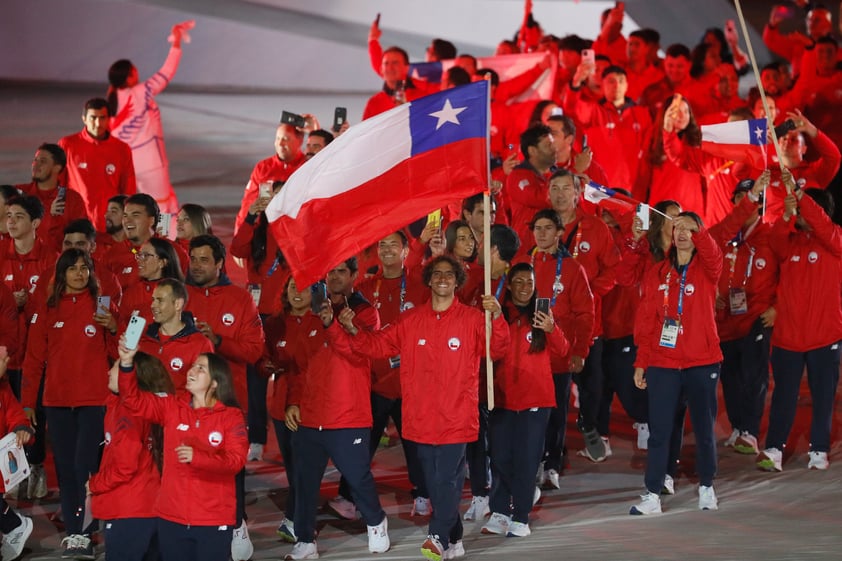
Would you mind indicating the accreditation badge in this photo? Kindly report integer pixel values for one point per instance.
(669, 333)
(738, 301)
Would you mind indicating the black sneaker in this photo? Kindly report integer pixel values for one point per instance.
(70, 546)
(85, 548)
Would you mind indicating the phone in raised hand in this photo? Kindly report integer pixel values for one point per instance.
(134, 331)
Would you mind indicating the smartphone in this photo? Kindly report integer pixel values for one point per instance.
(340, 115)
(265, 190)
(642, 212)
(62, 192)
(434, 218)
(589, 56)
(556, 112)
(134, 331)
(377, 20)
(584, 142)
(542, 305)
(103, 304)
(620, 5)
(164, 224)
(318, 294)
(784, 128)
(293, 119)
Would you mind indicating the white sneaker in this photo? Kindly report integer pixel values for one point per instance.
(735, 434)
(255, 452)
(707, 498)
(553, 478)
(454, 551)
(541, 476)
(818, 460)
(378, 537)
(746, 443)
(241, 547)
(608, 452)
(303, 550)
(421, 507)
(642, 435)
(770, 459)
(478, 510)
(650, 503)
(536, 496)
(497, 524)
(669, 485)
(343, 507)
(518, 530)
(14, 541)
(432, 549)
(287, 530)
(37, 483)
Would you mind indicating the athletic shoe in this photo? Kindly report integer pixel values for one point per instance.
(287, 531)
(669, 485)
(478, 510)
(343, 507)
(421, 507)
(536, 496)
(707, 498)
(553, 478)
(37, 484)
(818, 460)
(84, 548)
(594, 445)
(70, 546)
(13, 542)
(770, 459)
(541, 476)
(518, 530)
(255, 452)
(303, 550)
(378, 537)
(746, 444)
(589, 451)
(650, 503)
(735, 434)
(454, 551)
(431, 548)
(497, 524)
(642, 435)
(241, 547)
(608, 452)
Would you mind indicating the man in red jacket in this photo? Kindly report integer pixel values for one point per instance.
(99, 166)
(397, 86)
(526, 186)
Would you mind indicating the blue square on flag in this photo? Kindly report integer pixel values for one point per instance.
(757, 132)
(450, 116)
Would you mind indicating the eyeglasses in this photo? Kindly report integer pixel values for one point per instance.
(141, 256)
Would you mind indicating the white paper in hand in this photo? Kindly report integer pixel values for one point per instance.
(13, 464)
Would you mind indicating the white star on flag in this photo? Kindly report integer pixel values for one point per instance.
(758, 132)
(447, 114)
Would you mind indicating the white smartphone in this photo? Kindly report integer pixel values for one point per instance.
(134, 331)
(103, 304)
(265, 190)
(642, 212)
(589, 56)
(164, 224)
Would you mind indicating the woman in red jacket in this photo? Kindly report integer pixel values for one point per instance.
(66, 344)
(678, 350)
(156, 260)
(205, 445)
(124, 491)
(192, 220)
(524, 395)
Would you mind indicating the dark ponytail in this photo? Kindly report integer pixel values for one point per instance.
(117, 76)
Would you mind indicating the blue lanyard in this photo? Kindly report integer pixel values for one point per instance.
(500, 285)
(274, 267)
(403, 290)
(557, 282)
(681, 284)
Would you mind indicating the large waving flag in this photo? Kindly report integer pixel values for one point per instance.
(379, 176)
(741, 141)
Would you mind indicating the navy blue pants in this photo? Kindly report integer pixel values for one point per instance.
(618, 357)
(666, 386)
(517, 445)
(477, 455)
(130, 539)
(444, 470)
(75, 435)
(348, 448)
(9, 519)
(284, 436)
(745, 377)
(194, 543)
(557, 423)
(382, 408)
(589, 382)
(822, 376)
(258, 417)
(36, 452)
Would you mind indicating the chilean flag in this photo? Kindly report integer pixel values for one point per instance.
(604, 197)
(741, 141)
(381, 175)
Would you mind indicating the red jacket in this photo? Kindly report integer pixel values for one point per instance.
(179, 352)
(808, 299)
(137, 301)
(70, 351)
(232, 315)
(98, 170)
(202, 492)
(128, 482)
(671, 181)
(335, 388)
(440, 362)
(523, 380)
(385, 296)
(12, 417)
(271, 169)
(51, 229)
(619, 306)
(698, 343)
(383, 100)
(527, 192)
(10, 336)
(273, 273)
(121, 259)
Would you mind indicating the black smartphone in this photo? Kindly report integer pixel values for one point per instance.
(318, 296)
(785, 127)
(377, 20)
(542, 305)
(584, 142)
(293, 119)
(340, 115)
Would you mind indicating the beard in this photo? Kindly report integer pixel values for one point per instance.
(111, 228)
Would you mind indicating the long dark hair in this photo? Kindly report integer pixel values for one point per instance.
(692, 135)
(539, 336)
(673, 254)
(220, 373)
(65, 261)
(199, 217)
(656, 224)
(117, 76)
(450, 237)
(166, 251)
(153, 377)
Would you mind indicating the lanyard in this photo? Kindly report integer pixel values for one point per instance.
(557, 286)
(500, 284)
(274, 267)
(402, 292)
(681, 284)
(739, 240)
(578, 233)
